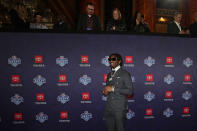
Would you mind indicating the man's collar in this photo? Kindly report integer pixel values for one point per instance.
(176, 22)
(117, 68)
(89, 15)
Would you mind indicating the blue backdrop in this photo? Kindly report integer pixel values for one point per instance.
(181, 113)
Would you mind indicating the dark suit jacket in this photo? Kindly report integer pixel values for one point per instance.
(82, 23)
(193, 28)
(117, 100)
(173, 28)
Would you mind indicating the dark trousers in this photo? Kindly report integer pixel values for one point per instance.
(115, 120)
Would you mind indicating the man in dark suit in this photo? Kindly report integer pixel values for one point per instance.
(89, 21)
(193, 27)
(118, 86)
(174, 27)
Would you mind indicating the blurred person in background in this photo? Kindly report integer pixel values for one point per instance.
(136, 25)
(116, 23)
(38, 24)
(89, 21)
(193, 27)
(61, 24)
(145, 24)
(17, 23)
(175, 27)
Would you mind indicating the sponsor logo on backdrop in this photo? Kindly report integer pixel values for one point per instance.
(18, 118)
(40, 98)
(14, 61)
(186, 112)
(130, 98)
(17, 99)
(16, 81)
(149, 96)
(149, 79)
(85, 96)
(149, 114)
(169, 62)
(169, 79)
(186, 95)
(168, 96)
(168, 112)
(129, 61)
(105, 61)
(39, 80)
(187, 62)
(64, 117)
(105, 79)
(149, 61)
(38, 61)
(63, 98)
(41, 117)
(61, 61)
(84, 61)
(85, 80)
(130, 114)
(187, 79)
(62, 80)
(86, 116)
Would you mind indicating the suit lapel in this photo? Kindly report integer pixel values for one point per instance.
(117, 72)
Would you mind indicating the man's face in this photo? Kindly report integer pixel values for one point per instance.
(139, 16)
(90, 10)
(114, 62)
(38, 18)
(178, 18)
(115, 15)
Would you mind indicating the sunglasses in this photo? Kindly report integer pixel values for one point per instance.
(112, 59)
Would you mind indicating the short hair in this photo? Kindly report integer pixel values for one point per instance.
(119, 13)
(177, 13)
(89, 3)
(37, 13)
(119, 57)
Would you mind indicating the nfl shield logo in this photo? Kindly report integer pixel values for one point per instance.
(169, 79)
(130, 114)
(63, 98)
(149, 96)
(188, 62)
(17, 99)
(149, 61)
(86, 116)
(41, 117)
(14, 61)
(105, 61)
(186, 95)
(61, 61)
(39, 80)
(168, 112)
(85, 80)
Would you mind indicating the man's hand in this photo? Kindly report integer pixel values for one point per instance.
(107, 89)
(113, 28)
(182, 32)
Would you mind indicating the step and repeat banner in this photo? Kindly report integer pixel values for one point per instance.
(54, 81)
